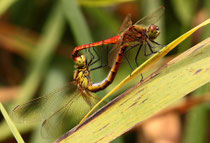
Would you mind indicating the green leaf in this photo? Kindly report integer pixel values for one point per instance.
(198, 131)
(101, 2)
(76, 21)
(52, 33)
(110, 23)
(51, 36)
(5, 4)
(188, 10)
(174, 80)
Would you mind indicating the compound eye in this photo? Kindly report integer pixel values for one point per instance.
(157, 28)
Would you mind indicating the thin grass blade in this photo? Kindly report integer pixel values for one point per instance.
(11, 125)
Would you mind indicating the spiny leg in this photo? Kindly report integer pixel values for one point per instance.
(129, 64)
(93, 62)
(98, 54)
(87, 50)
(150, 47)
(91, 57)
(157, 43)
(101, 66)
(101, 62)
(145, 50)
(131, 47)
(128, 49)
(136, 61)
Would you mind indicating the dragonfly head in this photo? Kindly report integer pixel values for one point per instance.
(80, 61)
(153, 31)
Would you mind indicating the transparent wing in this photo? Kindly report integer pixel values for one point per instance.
(151, 18)
(126, 23)
(113, 53)
(78, 105)
(91, 99)
(36, 108)
(54, 125)
(56, 108)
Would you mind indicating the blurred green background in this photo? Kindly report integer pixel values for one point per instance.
(38, 36)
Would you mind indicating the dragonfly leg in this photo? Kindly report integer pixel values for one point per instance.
(129, 63)
(128, 49)
(93, 62)
(150, 47)
(91, 57)
(156, 43)
(136, 61)
(145, 50)
(100, 57)
(100, 66)
(131, 47)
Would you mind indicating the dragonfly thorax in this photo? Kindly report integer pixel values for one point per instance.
(82, 73)
(82, 78)
(135, 33)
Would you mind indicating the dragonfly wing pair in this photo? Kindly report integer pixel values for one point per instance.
(53, 109)
(152, 18)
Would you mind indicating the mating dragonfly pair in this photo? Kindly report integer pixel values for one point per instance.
(141, 34)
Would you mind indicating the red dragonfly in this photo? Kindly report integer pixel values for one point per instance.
(142, 33)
